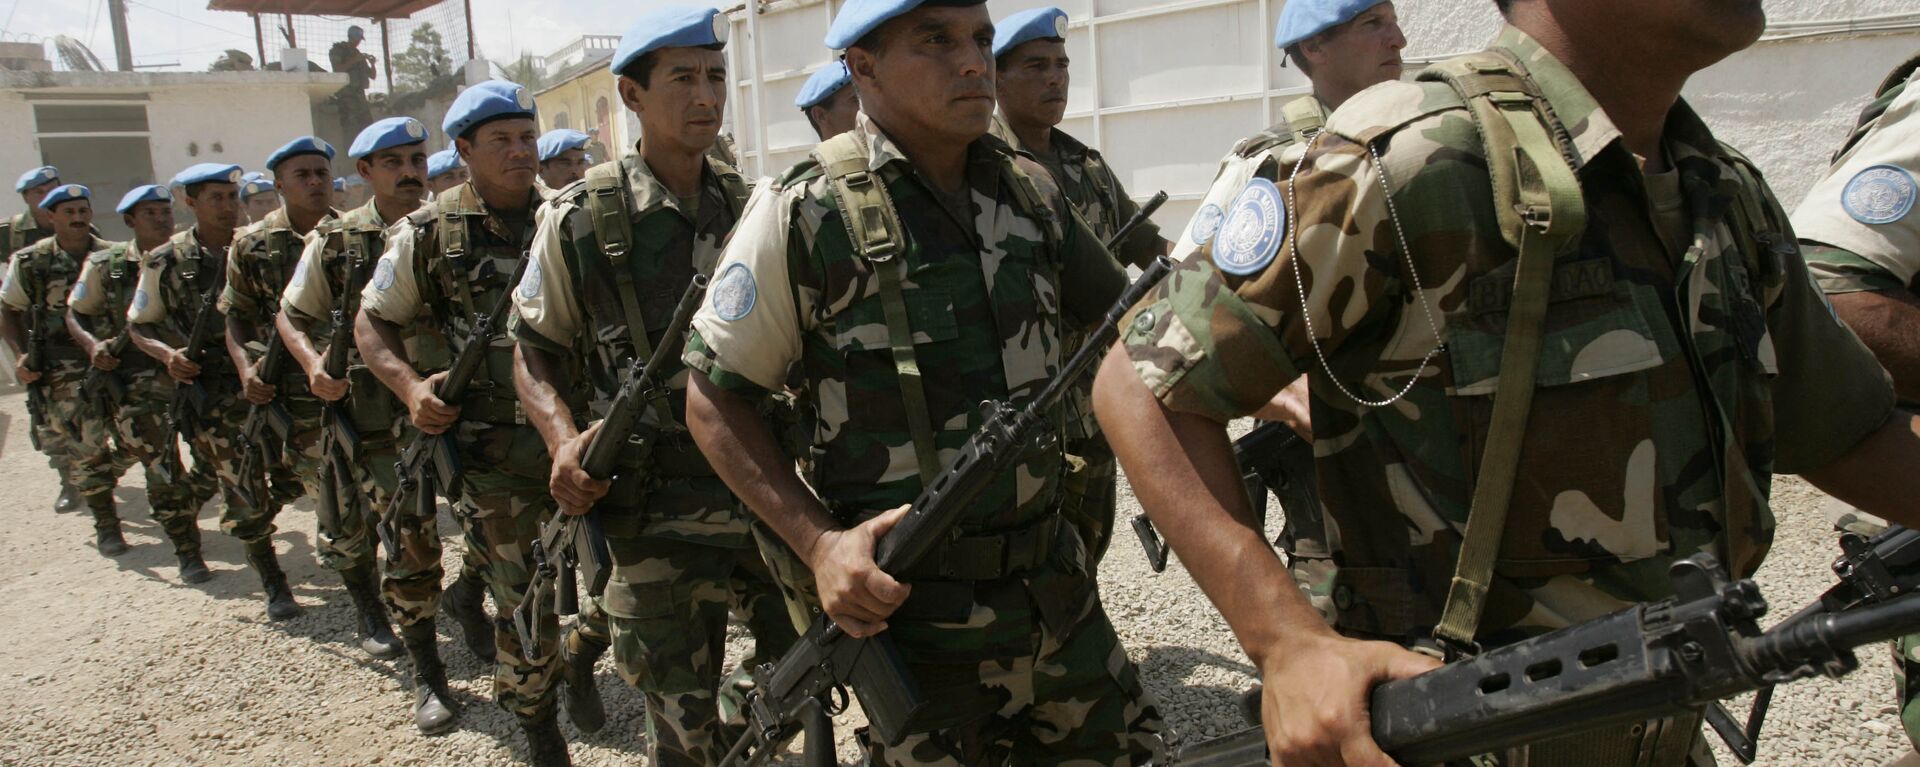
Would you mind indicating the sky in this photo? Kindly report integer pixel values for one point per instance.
(185, 33)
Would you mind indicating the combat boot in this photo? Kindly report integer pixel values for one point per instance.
(106, 526)
(280, 604)
(69, 499)
(186, 546)
(546, 747)
(464, 602)
(433, 706)
(376, 633)
(578, 653)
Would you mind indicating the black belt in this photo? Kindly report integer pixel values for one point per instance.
(990, 557)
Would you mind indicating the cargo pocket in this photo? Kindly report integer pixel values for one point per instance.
(1588, 487)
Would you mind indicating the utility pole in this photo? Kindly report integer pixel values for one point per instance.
(122, 47)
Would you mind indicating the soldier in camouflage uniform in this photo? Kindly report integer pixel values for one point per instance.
(830, 106)
(445, 171)
(17, 232)
(1030, 81)
(983, 266)
(256, 190)
(1862, 243)
(450, 263)
(333, 269)
(683, 556)
(258, 267)
(177, 279)
(138, 420)
(1685, 357)
(39, 278)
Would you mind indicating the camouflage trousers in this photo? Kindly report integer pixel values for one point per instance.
(345, 540)
(76, 441)
(1087, 495)
(410, 575)
(218, 441)
(137, 429)
(500, 514)
(665, 612)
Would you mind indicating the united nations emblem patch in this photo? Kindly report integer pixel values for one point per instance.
(1250, 236)
(79, 292)
(1205, 224)
(1879, 195)
(383, 274)
(735, 292)
(140, 300)
(299, 275)
(530, 282)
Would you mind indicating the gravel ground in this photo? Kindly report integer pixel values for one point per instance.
(113, 662)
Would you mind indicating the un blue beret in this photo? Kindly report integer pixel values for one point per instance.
(207, 171)
(386, 134)
(553, 142)
(1032, 24)
(339, 184)
(143, 193)
(858, 17)
(442, 161)
(44, 174)
(1301, 19)
(304, 145)
(486, 101)
(825, 82)
(254, 182)
(674, 26)
(65, 193)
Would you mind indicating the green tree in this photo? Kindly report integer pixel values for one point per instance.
(424, 61)
(526, 70)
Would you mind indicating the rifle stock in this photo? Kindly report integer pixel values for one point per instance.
(827, 659)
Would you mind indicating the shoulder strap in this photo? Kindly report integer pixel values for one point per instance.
(609, 204)
(1026, 195)
(454, 239)
(1898, 75)
(1541, 210)
(873, 226)
(1304, 118)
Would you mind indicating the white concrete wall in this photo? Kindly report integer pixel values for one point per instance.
(239, 125)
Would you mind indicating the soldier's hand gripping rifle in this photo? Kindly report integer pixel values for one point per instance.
(187, 413)
(431, 464)
(105, 389)
(826, 660)
(1677, 657)
(36, 358)
(568, 541)
(339, 440)
(264, 435)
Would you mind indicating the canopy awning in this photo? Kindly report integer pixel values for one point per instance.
(376, 9)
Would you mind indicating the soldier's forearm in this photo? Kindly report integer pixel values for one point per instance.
(539, 381)
(379, 343)
(1884, 321)
(1877, 474)
(735, 438)
(1182, 470)
(238, 334)
(78, 331)
(293, 337)
(149, 344)
(10, 330)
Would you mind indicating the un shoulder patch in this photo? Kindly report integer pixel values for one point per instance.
(1250, 236)
(1205, 223)
(530, 282)
(140, 299)
(383, 274)
(1879, 195)
(299, 275)
(79, 292)
(735, 292)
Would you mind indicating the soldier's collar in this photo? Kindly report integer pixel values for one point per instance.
(881, 151)
(649, 194)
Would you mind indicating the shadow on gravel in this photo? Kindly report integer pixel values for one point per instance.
(1194, 711)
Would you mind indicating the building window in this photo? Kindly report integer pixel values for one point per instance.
(101, 144)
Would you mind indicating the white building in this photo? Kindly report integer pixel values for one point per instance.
(1164, 87)
(113, 131)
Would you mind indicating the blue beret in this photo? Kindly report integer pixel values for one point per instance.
(484, 102)
(207, 171)
(560, 140)
(386, 134)
(143, 193)
(1301, 19)
(65, 193)
(45, 174)
(339, 184)
(673, 26)
(442, 161)
(1033, 24)
(254, 182)
(825, 82)
(304, 145)
(858, 17)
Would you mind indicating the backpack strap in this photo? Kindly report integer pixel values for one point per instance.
(454, 239)
(873, 226)
(1305, 118)
(1541, 210)
(609, 205)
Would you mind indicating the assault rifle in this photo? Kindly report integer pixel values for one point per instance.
(826, 660)
(1271, 457)
(105, 389)
(37, 362)
(431, 463)
(264, 435)
(568, 541)
(188, 411)
(1676, 657)
(339, 440)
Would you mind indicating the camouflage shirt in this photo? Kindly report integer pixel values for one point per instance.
(19, 231)
(1094, 189)
(988, 296)
(263, 260)
(44, 273)
(1858, 224)
(174, 281)
(104, 291)
(1673, 381)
